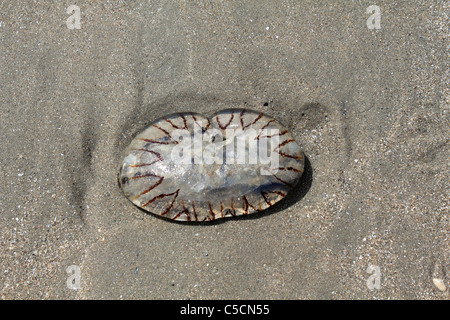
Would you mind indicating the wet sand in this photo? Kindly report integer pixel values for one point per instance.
(369, 107)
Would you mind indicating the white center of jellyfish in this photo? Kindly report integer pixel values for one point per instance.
(214, 167)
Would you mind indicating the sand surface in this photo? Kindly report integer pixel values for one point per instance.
(368, 106)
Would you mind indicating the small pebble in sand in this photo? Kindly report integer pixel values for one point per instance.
(439, 284)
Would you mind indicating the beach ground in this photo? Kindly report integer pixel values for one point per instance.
(365, 94)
